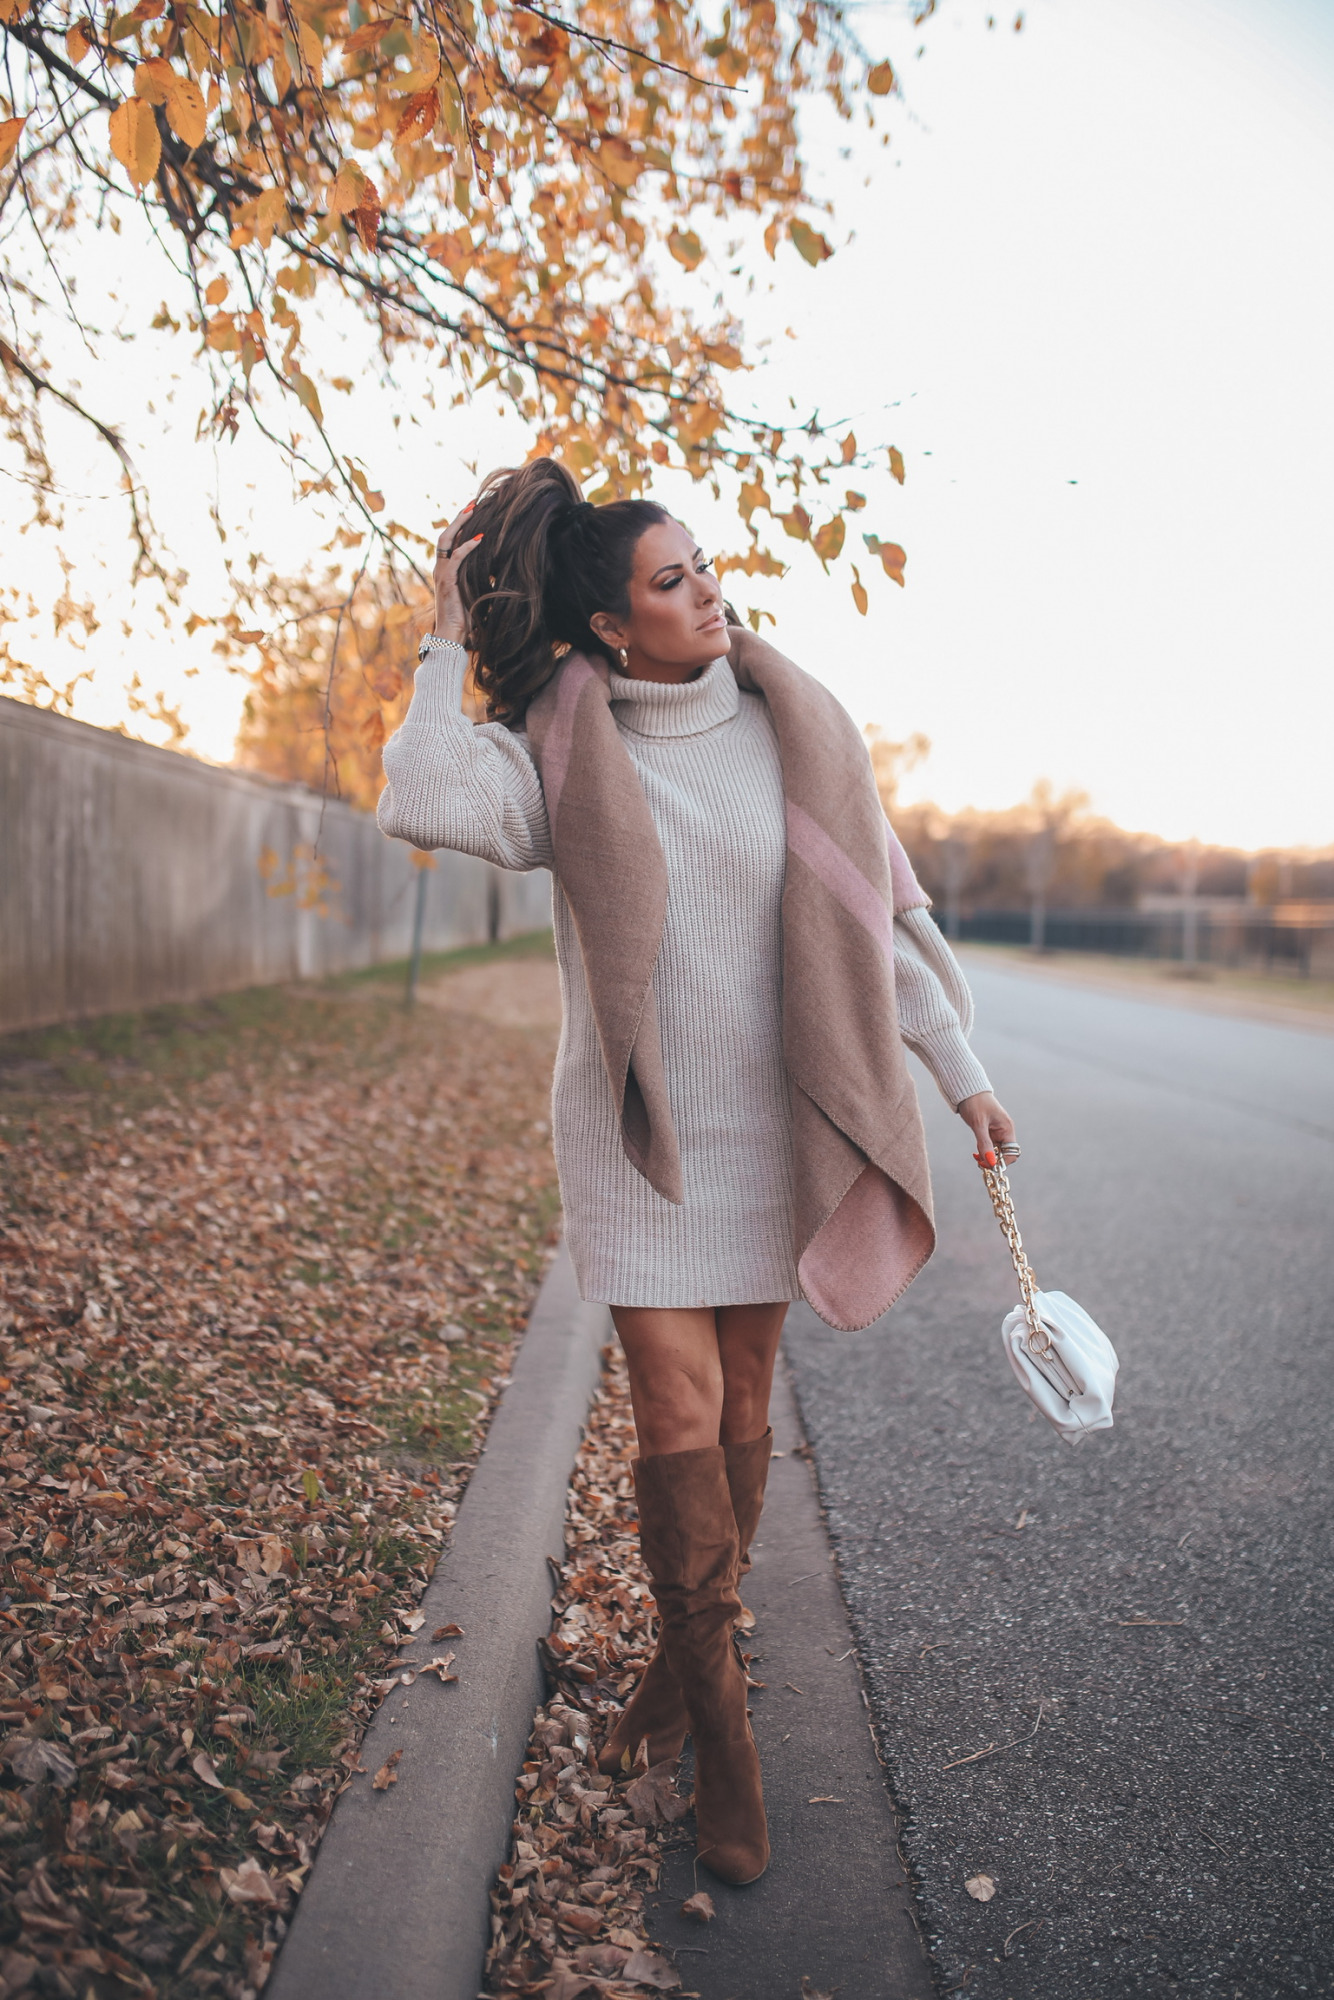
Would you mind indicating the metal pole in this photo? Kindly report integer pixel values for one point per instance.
(418, 920)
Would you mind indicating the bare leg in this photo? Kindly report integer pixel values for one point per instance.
(676, 1375)
(699, 1375)
(748, 1339)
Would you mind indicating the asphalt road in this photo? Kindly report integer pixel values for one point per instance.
(1142, 1625)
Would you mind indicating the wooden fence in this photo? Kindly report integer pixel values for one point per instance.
(131, 875)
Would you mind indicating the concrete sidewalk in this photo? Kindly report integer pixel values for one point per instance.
(835, 1907)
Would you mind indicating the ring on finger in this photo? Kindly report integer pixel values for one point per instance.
(1009, 1150)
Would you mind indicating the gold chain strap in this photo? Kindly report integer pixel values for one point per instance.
(998, 1187)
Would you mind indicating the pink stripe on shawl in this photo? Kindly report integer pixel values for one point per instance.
(908, 891)
(841, 877)
(560, 737)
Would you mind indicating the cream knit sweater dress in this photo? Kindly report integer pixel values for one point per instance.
(707, 757)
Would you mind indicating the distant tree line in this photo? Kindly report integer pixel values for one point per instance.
(1053, 850)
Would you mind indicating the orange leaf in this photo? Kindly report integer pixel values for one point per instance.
(891, 556)
(419, 115)
(809, 242)
(896, 463)
(348, 189)
(849, 447)
(686, 247)
(186, 114)
(216, 292)
(828, 540)
(78, 41)
(307, 394)
(619, 162)
(367, 218)
(135, 140)
(153, 80)
(880, 81)
(387, 1775)
(797, 524)
(366, 37)
(10, 129)
(859, 594)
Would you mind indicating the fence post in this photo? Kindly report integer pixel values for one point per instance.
(418, 921)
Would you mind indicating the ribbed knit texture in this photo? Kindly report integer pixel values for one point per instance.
(707, 758)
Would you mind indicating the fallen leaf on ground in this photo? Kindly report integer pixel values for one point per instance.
(450, 1631)
(651, 1970)
(36, 1760)
(654, 1799)
(249, 1884)
(981, 1888)
(441, 1667)
(219, 1538)
(699, 1908)
(387, 1774)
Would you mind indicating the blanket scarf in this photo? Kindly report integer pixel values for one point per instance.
(862, 1217)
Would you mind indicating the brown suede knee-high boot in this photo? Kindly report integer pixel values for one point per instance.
(656, 1710)
(689, 1537)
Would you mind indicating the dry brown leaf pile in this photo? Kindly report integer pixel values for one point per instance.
(257, 1304)
(567, 1910)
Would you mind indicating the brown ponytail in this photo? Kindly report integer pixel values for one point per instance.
(548, 561)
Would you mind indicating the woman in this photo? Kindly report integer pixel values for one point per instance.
(734, 1124)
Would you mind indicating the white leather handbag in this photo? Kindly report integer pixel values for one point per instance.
(1065, 1363)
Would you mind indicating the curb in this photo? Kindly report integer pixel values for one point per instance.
(398, 1900)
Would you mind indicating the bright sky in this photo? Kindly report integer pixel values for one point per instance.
(1089, 293)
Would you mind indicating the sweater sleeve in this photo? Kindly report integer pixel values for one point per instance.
(453, 783)
(935, 1006)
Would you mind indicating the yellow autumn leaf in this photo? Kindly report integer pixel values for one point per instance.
(10, 128)
(797, 524)
(135, 140)
(368, 36)
(307, 394)
(186, 114)
(859, 592)
(270, 213)
(896, 463)
(78, 42)
(312, 49)
(808, 242)
(828, 540)
(347, 189)
(686, 247)
(849, 447)
(619, 162)
(216, 291)
(880, 80)
(153, 80)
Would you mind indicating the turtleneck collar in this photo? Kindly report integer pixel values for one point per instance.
(686, 708)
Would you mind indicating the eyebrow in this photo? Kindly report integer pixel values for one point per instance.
(671, 566)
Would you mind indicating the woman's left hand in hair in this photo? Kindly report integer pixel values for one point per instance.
(990, 1124)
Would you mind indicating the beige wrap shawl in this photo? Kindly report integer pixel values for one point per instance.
(862, 1216)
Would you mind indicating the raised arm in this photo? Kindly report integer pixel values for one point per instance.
(455, 784)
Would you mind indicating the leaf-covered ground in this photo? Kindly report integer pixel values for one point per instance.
(263, 1260)
(567, 1909)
